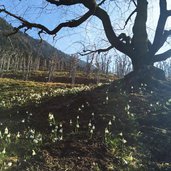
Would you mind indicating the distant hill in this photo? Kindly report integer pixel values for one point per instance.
(23, 43)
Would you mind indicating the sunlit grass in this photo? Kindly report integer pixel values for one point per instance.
(19, 93)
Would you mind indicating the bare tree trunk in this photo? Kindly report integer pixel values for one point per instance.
(108, 64)
(52, 66)
(89, 64)
(97, 70)
(73, 69)
(140, 38)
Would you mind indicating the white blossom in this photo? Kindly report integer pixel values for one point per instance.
(33, 153)
(106, 131)
(6, 131)
(110, 123)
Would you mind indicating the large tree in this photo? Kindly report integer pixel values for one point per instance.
(138, 48)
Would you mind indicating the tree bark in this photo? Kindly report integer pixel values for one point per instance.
(140, 37)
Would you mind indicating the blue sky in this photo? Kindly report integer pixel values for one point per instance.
(50, 17)
(91, 32)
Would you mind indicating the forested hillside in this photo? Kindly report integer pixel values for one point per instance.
(20, 52)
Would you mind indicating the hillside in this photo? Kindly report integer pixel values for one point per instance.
(53, 126)
(22, 43)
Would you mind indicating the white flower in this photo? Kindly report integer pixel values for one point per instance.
(89, 124)
(121, 134)
(54, 139)
(6, 131)
(4, 151)
(128, 106)
(87, 102)
(77, 125)
(32, 131)
(60, 125)
(107, 98)
(157, 103)
(78, 117)
(124, 141)
(23, 121)
(110, 123)
(164, 131)
(33, 153)
(70, 122)
(61, 130)
(35, 141)
(93, 127)
(51, 116)
(106, 131)
(91, 131)
(125, 161)
(92, 114)
(31, 136)
(18, 135)
(9, 135)
(9, 164)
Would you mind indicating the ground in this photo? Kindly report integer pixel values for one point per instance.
(98, 128)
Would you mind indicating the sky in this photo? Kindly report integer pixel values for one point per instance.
(91, 32)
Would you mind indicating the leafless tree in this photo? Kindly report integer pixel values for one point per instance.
(89, 64)
(165, 66)
(138, 47)
(73, 68)
(52, 67)
(97, 70)
(122, 66)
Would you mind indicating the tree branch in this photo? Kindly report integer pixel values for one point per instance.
(94, 9)
(160, 28)
(166, 34)
(134, 2)
(28, 25)
(87, 52)
(64, 2)
(126, 22)
(162, 56)
(110, 34)
(103, 16)
(101, 2)
(169, 12)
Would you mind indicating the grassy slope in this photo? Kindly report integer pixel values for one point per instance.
(60, 76)
(138, 139)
